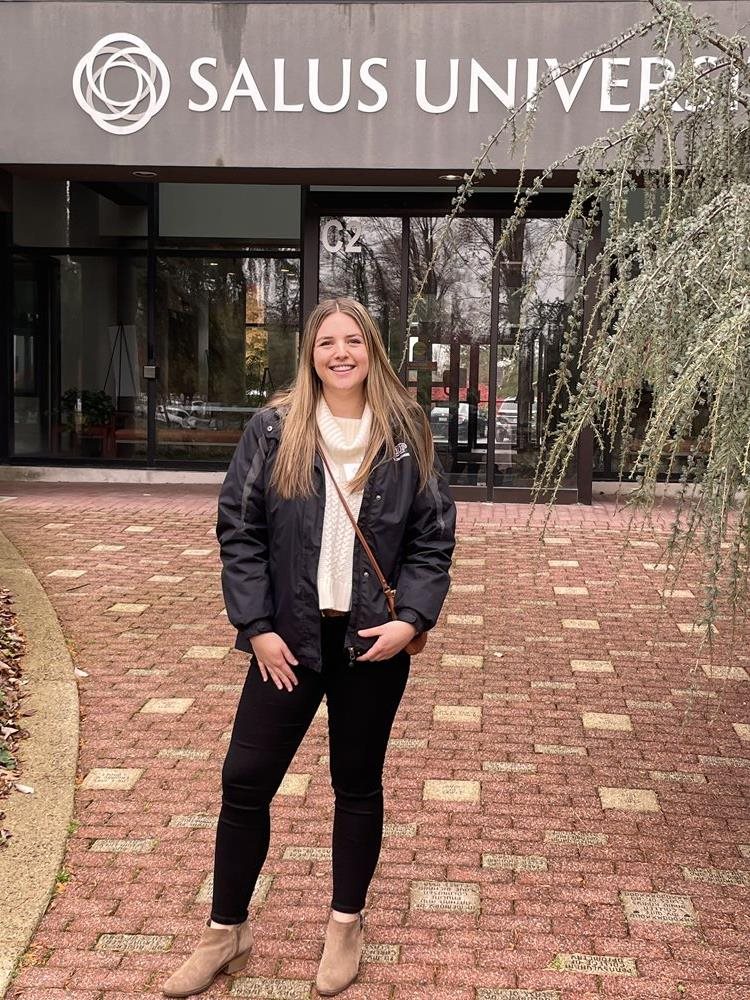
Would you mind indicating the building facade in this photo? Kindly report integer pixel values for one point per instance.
(181, 182)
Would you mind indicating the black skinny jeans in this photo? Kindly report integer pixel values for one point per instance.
(269, 726)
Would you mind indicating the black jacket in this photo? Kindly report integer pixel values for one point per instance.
(270, 547)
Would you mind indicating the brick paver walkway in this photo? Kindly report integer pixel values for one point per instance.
(566, 820)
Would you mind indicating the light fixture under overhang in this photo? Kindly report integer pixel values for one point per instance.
(144, 173)
(449, 177)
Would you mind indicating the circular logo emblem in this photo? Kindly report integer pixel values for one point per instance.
(146, 96)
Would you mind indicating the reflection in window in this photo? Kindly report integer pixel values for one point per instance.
(361, 258)
(524, 389)
(449, 340)
(226, 336)
(79, 334)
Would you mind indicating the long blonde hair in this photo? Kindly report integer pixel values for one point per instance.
(395, 415)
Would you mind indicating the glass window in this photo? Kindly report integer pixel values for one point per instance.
(449, 342)
(79, 343)
(360, 257)
(226, 339)
(524, 389)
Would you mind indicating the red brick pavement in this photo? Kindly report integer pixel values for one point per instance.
(542, 856)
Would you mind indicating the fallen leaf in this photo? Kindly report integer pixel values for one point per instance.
(80, 673)
(26, 789)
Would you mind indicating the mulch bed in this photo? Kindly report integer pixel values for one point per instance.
(12, 647)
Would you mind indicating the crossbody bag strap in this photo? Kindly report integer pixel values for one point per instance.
(387, 590)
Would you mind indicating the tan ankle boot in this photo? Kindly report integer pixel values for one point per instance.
(339, 964)
(219, 949)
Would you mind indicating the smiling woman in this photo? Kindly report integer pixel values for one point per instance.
(341, 363)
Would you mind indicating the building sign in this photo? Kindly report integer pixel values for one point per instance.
(313, 85)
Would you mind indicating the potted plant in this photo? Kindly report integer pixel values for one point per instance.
(87, 414)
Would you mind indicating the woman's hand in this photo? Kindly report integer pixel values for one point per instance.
(393, 636)
(274, 657)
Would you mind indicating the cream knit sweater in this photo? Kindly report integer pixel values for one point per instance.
(345, 441)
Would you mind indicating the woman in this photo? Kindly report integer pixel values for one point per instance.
(307, 605)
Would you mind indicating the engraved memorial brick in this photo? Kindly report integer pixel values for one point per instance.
(658, 907)
(581, 624)
(145, 943)
(742, 729)
(271, 989)
(560, 748)
(552, 540)
(562, 563)
(112, 778)
(451, 790)
(508, 766)
(206, 653)
(692, 693)
(452, 896)
(694, 776)
(516, 862)
(408, 743)
(577, 838)
(635, 703)
(713, 760)
(399, 829)
(467, 588)
(717, 876)
(592, 666)
(198, 821)
(186, 753)
(107, 548)
(105, 845)
(125, 608)
(695, 628)
(720, 672)
(166, 706)
(606, 720)
(456, 713)
(571, 591)
(512, 993)
(262, 885)
(139, 529)
(385, 953)
(71, 574)
(633, 799)
(458, 660)
(465, 620)
(595, 965)
(294, 784)
(295, 853)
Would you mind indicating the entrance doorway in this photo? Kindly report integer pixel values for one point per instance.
(487, 409)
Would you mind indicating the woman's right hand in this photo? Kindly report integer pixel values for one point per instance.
(275, 658)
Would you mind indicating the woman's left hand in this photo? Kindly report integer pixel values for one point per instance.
(393, 636)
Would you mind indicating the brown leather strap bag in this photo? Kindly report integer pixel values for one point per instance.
(418, 643)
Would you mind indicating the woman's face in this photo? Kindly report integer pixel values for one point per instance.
(340, 354)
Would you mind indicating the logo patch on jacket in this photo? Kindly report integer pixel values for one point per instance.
(402, 451)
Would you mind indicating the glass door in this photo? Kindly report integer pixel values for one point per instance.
(486, 402)
(226, 339)
(449, 339)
